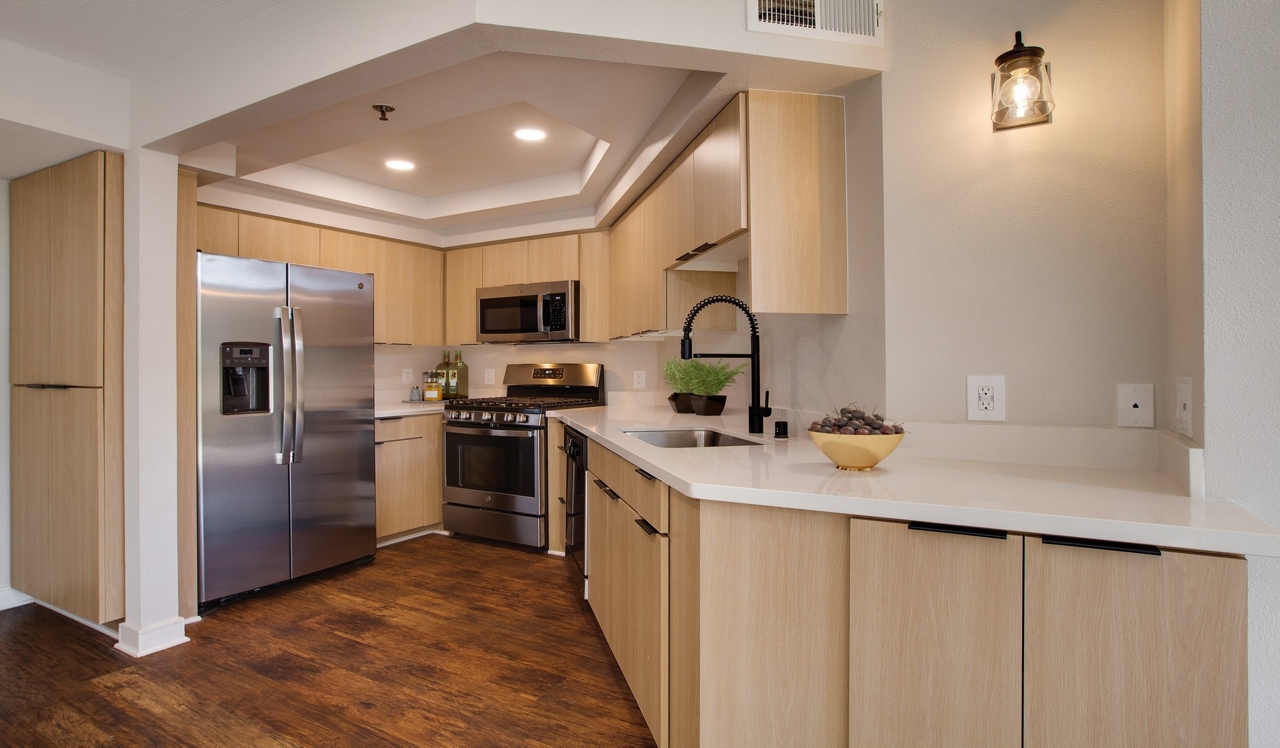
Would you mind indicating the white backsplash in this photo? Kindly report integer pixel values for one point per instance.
(620, 360)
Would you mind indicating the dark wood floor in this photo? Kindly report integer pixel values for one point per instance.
(438, 642)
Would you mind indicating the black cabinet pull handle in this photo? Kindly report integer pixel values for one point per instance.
(643, 474)
(648, 528)
(561, 449)
(977, 532)
(562, 501)
(1101, 545)
(392, 418)
(607, 491)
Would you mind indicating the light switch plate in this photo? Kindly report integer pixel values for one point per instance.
(986, 398)
(1182, 407)
(406, 376)
(638, 379)
(488, 376)
(1136, 406)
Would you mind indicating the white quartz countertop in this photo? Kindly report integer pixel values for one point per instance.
(1133, 506)
(400, 410)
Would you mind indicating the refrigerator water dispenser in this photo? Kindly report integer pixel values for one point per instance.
(246, 378)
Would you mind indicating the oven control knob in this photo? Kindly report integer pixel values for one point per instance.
(465, 415)
(522, 418)
(508, 417)
(486, 416)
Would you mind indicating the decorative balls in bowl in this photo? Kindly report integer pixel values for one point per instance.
(854, 439)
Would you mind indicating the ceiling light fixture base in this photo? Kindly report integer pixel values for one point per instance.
(383, 110)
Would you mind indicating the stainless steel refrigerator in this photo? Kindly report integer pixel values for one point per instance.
(286, 473)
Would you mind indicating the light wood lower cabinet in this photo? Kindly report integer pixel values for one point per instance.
(629, 578)
(68, 513)
(935, 636)
(1127, 649)
(556, 500)
(408, 474)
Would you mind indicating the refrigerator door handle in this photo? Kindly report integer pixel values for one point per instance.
(299, 390)
(284, 455)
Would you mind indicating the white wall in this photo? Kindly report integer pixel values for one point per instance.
(1241, 51)
(1037, 253)
(1184, 266)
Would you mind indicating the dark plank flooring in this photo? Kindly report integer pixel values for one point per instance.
(439, 642)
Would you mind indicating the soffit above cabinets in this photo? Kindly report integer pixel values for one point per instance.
(456, 125)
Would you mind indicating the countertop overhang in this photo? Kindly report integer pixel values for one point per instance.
(400, 410)
(1129, 506)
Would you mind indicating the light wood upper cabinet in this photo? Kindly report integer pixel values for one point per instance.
(463, 272)
(552, 258)
(799, 244)
(935, 637)
(630, 300)
(407, 299)
(593, 276)
(672, 213)
(217, 231)
(504, 264)
(1126, 649)
(273, 239)
(720, 190)
(59, 243)
(426, 295)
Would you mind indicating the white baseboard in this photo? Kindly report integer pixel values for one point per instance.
(194, 619)
(153, 638)
(1116, 448)
(1182, 461)
(100, 628)
(11, 598)
(411, 535)
(555, 553)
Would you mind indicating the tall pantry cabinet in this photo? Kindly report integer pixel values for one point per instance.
(66, 367)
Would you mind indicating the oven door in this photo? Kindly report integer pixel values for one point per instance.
(495, 468)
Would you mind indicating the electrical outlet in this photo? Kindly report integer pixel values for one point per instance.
(1182, 407)
(986, 398)
(638, 379)
(406, 376)
(488, 376)
(1136, 406)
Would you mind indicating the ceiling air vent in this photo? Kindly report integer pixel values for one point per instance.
(852, 21)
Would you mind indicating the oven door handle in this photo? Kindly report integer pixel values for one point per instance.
(529, 434)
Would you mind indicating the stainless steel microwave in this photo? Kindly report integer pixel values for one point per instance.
(528, 313)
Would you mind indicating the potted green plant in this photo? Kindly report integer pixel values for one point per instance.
(697, 385)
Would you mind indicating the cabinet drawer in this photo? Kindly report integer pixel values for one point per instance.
(408, 427)
(648, 496)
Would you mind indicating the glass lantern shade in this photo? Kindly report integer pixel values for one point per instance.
(1021, 91)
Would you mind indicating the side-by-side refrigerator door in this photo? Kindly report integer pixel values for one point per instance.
(243, 509)
(332, 474)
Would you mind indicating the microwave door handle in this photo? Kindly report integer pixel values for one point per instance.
(300, 390)
(285, 406)
(542, 305)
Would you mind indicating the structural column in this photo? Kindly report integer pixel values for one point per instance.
(1240, 51)
(152, 621)
(9, 597)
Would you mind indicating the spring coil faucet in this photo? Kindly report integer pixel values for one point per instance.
(756, 413)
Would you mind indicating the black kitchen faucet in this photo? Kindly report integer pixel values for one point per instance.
(757, 412)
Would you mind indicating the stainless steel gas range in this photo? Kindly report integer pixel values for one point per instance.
(495, 451)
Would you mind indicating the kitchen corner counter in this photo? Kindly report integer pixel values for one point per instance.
(1131, 506)
(400, 410)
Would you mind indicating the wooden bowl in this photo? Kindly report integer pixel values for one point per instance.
(856, 452)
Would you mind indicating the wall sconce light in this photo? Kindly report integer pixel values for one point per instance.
(1021, 93)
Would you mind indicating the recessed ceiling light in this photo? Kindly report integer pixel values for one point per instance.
(400, 165)
(529, 133)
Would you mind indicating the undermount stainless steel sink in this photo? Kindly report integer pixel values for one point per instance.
(682, 438)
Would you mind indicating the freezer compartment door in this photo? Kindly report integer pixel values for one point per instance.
(332, 474)
(243, 510)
